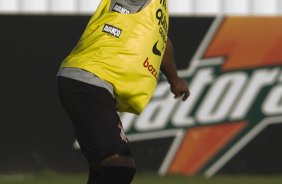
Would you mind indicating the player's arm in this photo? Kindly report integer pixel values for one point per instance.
(177, 86)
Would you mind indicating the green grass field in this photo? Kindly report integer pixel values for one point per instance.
(56, 178)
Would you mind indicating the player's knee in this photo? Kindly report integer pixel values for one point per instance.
(117, 169)
(118, 160)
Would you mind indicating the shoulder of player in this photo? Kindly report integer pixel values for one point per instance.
(132, 1)
(138, 0)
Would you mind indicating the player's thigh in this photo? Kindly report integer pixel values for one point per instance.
(96, 123)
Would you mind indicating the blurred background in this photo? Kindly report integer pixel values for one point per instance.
(177, 7)
(228, 51)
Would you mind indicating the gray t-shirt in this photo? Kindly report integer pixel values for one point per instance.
(121, 6)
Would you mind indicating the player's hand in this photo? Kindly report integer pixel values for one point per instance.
(180, 89)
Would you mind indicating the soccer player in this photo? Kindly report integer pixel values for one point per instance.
(115, 67)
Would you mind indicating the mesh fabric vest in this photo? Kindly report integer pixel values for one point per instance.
(125, 50)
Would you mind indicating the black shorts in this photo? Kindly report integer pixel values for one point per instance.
(96, 124)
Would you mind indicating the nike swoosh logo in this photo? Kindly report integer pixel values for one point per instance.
(156, 51)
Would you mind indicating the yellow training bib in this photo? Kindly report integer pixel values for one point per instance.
(125, 50)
